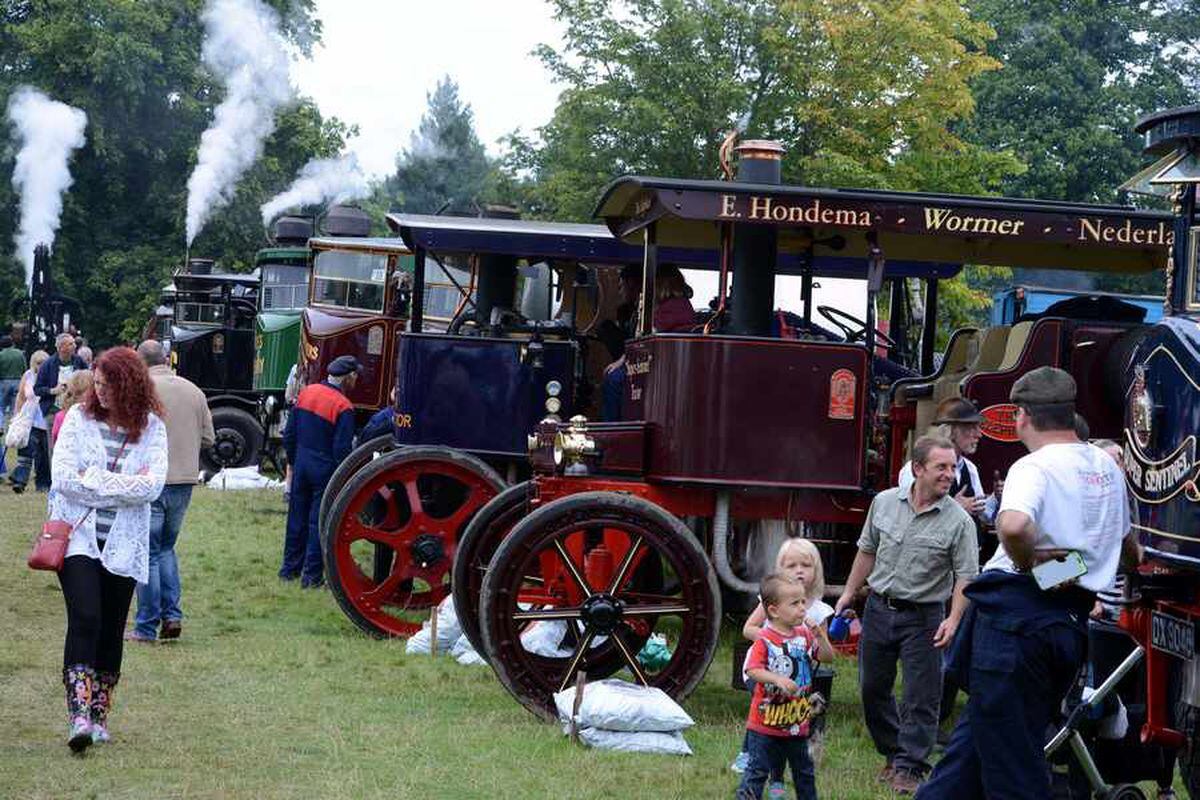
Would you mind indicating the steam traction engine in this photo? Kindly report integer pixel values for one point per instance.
(629, 525)
(1161, 386)
(468, 389)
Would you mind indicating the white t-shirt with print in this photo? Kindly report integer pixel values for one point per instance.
(1075, 494)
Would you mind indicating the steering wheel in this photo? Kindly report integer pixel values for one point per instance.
(839, 318)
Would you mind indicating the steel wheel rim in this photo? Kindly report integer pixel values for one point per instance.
(228, 439)
(538, 677)
(377, 513)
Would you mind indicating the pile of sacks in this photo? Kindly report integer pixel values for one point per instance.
(238, 478)
(618, 715)
(450, 637)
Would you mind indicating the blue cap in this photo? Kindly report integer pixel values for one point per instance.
(343, 365)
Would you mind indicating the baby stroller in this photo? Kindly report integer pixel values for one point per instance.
(1098, 753)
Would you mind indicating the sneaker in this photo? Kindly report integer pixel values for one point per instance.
(741, 762)
(99, 733)
(134, 636)
(776, 790)
(886, 774)
(171, 628)
(81, 734)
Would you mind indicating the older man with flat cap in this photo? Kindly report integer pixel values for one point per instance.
(318, 436)
(1024, 636)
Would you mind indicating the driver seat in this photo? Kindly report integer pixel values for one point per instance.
(989, 353)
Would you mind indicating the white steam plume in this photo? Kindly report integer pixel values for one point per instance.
(323, 179)
(47, 132)
(244, 48)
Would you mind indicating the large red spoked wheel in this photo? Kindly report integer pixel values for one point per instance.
(476, 547)
(582, 562)
(393, 531)
(359, 457)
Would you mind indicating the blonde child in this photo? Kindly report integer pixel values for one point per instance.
(800, 560)
(78, 385)
(781, 663)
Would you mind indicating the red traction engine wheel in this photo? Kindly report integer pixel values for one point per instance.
(610, 569)
(393, 531)
(476, 547)
(359, 457)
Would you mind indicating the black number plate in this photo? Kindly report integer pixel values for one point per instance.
(1173, 635)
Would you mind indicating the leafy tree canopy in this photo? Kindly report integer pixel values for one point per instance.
(1077, 75)
(135, 69)
(444, 163)
(861, 94)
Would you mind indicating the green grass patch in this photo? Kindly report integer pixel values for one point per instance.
(273, 693)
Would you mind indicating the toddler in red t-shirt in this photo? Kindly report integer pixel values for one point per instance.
(781, 663)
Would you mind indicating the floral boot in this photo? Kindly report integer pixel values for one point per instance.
(78, 680)
(102, 691)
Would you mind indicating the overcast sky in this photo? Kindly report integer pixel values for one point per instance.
(381, 57)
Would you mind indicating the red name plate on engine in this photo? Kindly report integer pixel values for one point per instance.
(1000, 422)
(841, 394)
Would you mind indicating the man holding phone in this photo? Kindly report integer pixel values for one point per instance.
(1061, 523)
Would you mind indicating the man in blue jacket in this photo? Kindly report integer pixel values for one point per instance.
(318, 435)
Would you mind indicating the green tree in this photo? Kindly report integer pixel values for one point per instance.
(135, 69)
(860, 94)
(444, 162)
(1076, 77)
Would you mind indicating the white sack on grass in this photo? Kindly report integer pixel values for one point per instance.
(617, 705)
(237, 478)
(663, 743)
(545, 638)
(448, 631)
(464, 653)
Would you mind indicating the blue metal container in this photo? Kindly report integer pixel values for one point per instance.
(479, 394)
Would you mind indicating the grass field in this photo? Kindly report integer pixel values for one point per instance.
(272, 693)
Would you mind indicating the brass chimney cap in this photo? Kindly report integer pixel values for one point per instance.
(764, 149)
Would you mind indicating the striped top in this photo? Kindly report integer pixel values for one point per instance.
(115, 452)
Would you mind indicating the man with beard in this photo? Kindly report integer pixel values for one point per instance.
(917, 550)
(958, 420)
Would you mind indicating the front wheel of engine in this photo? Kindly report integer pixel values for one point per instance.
(359, 457)
(578, 568)
(393, 531)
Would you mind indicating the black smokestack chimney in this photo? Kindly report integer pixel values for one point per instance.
(198, 266)
(496, 283)
(292, 230)
(755, 246)
(41, 287)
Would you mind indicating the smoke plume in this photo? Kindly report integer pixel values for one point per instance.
(324, 179)
(245, 50)
(47, 131)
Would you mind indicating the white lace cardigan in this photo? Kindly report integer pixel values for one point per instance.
(81, 480)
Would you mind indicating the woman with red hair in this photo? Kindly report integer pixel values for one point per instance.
(109, 464)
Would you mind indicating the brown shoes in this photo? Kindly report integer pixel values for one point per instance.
(171, 628)
(905, 782)
(886, 774)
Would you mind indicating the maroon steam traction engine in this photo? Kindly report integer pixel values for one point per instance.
(629, 522)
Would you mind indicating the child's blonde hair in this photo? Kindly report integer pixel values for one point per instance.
(78, 386)
(805, 547)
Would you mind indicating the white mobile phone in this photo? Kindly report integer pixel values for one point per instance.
(1058, 571)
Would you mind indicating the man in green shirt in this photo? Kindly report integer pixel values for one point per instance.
(12, 367)
(917, 550)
